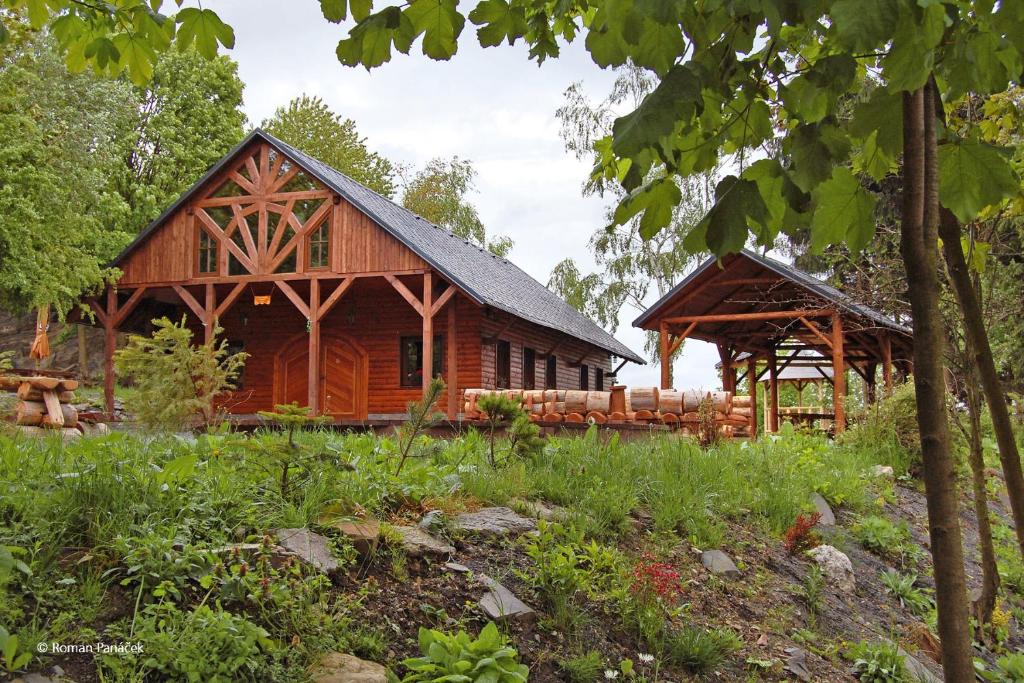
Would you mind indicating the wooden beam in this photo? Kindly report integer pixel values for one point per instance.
(275, 277)
(491, 339)
(737, 317)
(838, 375)
(128, 306)
(663, 347)
(678, 341)
(453, 365)
(818, 333)
(294, 297)
(428, 331)
(404, 291)
(443, 299)
(749, 281)
(191, 302)
(97, 309)
(335, 296)
(224, 305)
(313, 399)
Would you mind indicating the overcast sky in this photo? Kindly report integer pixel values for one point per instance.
(493, 107)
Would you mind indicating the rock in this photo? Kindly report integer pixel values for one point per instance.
(418, 542)
(309, 547)
(918, 671)
(796, 664)
(836, 567)
(883, 471)
(497, 521)
(432, 520)
(499, 604)
(828, 518)
(363, 533)
(719, 563)
(337, 667)
(457, 568)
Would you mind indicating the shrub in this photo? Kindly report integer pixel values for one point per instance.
(205, 645)
(889, 430)
(458, 657)
(878, 663)
(175, 381)
(698, 649)
(882, 537)
(902, 586)
(1009, 669)
(800, 536)
(656, 581)
(523, 436)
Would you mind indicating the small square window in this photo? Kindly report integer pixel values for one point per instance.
(503, 364)
(207, 253)
(411, 360)
(529, 368)
(320, 246)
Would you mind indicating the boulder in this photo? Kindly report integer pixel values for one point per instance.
(500, 605)
(828, 518)
(720, 564)
(337, 667)
(836, 566)
(308, 546)
(496, 521)
(918, 671)
(418, 543)
(882, 471)
(796, 663)
(363, 533)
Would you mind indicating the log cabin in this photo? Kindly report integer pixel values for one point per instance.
(338, 295)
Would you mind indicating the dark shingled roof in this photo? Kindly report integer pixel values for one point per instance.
(806, 280)
(489, 279)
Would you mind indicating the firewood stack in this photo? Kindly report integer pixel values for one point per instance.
(45, 406)
(623, 405)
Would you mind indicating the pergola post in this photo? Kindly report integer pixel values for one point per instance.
(210, 324)
(109, 346)
(428, 330)
(453, 365)
(666, 368)
(773, 392)
(313, 399)
(752, 379)
(886, 345)
(838, 374)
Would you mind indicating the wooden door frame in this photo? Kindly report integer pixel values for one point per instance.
(297, 344)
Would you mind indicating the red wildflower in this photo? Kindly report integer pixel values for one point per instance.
(801, 535)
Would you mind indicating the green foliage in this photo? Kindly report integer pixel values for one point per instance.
(881, 536)
(459, 657)
(700, 649)
(204, 644)
(13, 656)
(421, 417)
(813, 589)
(308, 124)
(583, 668)
(438, 194)
(288, 456)
(877, 663)
(176, 381)
(902, 586)
(1009, 669)
(890, 426)
(523, 436)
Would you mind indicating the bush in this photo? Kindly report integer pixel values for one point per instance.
(458, 657)
(800, 536)
(889, 430)
(878, 663)
(176, 382)
(902, 586)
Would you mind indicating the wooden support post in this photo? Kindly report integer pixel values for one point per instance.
(314, 348)
(453, 365)
(210, 323)
(886, 343)
(773, 392)
(752, 378)
(838, 375)
(428, 330)
(666, 366)
(870, 395)
(110, 345)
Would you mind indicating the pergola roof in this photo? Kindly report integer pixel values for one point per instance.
(737, 295)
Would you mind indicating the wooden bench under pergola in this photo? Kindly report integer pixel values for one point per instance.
(757, 310)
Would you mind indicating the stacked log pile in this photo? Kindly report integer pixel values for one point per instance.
(622, 405)
(45, 406)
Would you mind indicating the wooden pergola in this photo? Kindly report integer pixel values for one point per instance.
(758, 310)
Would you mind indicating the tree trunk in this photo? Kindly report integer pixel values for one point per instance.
(989, 570)
(981, 356)
(918, 246)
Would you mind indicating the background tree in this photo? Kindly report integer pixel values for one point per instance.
(183, 121)
(56, 209)
(438, 193)
(309, 125)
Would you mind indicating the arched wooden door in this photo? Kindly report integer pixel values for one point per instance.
(343, 376)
